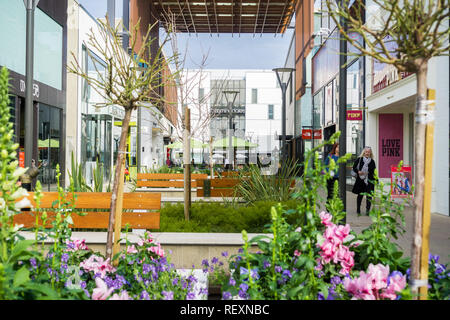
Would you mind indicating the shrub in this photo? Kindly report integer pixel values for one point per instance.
(217, 217)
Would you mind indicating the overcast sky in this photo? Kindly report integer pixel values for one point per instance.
(224, 51)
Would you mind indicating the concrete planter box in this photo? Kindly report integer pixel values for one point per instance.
(185, 249)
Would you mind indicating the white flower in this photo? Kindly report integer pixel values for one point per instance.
(24, 203)
(2, 203)
(19, 171)
(19, 193)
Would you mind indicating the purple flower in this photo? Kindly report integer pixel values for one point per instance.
(33, 262)
(255, 274)
(232, 282)
(214, 260)
(287, 274)
(226, 295)
(175, 281)
(205, 263)
(146, 268)
(244, 287)
(336, 280)
(144, 295)
(190, 296)
(243, 271)
(64, 257)
(225, 254)
(168, 295)
(266, 264)
(434, 258)
(278, 269)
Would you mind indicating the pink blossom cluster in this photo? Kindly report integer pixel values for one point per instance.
(332, 248)
(75, 244)
(376, 284)
(156, 248)
(102, 292)
(98, 265)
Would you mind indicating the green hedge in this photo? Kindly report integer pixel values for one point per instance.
(217, 217)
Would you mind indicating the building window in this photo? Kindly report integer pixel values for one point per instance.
(201, 94)
(270, 113)
(254, 95)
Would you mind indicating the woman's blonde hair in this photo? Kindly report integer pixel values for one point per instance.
(364, 149)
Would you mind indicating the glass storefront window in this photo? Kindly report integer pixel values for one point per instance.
(96, 133)
(49, 141)
(355, 138)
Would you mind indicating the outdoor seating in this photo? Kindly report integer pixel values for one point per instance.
(140, 210)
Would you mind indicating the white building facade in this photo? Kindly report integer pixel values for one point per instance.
(256, 108)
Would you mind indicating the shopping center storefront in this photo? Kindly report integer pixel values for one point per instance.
(49, 101)
(325, 110)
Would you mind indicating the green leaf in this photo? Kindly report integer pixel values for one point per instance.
(19, 248)
(21, 277)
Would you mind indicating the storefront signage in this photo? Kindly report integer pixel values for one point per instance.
(401, 182)
(226, 110)
(22, 88)
(386, 74)
(306, 134)
(390, 142)
(354, 115)
(21, 159)
(317, 133)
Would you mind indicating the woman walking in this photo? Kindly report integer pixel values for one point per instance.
(334, 154)
(364, 167)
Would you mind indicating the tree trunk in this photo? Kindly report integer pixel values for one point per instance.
(419, 177)
(115, 190)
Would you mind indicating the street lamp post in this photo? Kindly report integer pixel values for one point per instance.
(343, 117)
(30, 6)
(283, 85)
(230, 96)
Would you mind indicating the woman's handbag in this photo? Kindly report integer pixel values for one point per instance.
(353, 173)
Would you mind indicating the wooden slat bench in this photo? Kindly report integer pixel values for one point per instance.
(167, 180)
(223, 187)
(145, 205)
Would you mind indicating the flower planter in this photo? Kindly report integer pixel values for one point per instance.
(214, 292)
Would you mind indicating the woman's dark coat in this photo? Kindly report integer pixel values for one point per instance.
(360, 186)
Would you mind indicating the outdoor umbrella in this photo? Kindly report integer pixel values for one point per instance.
(53, 143)
(195, 144)
(235, 142)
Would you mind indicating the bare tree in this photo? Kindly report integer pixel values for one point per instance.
(124, 83)
(419, 30)
(188, 82)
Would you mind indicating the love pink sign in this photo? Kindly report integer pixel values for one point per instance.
(390, 142)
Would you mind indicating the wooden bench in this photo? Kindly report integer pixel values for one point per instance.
(167, 180)
(223, 187)
(145, 205)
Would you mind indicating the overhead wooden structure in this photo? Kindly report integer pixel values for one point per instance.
(226, 16)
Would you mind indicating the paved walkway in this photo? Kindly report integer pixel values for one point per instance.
(439, 229)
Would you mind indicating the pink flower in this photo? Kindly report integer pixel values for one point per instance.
(157, 250)
(342, 231)
(374, 284)
(97, 265)
(75, 244)
(131, 249)
(123, 296)
(297, 253)
(325, 218)
(378, 274)
(101, 292)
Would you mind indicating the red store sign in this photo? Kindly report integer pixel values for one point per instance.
(354, 115)
(308, 134)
